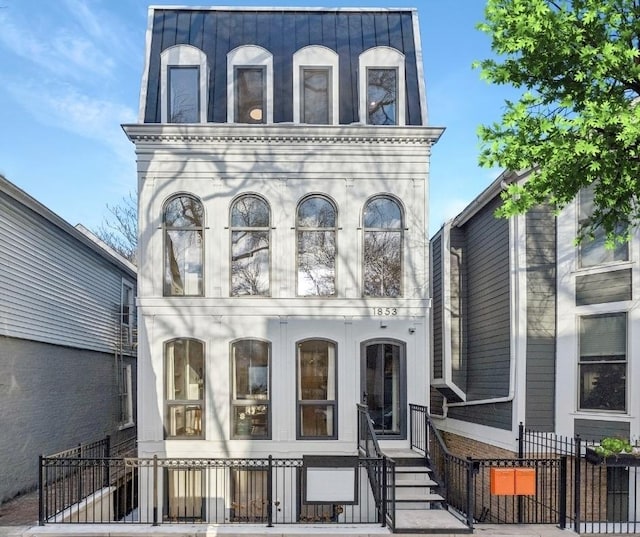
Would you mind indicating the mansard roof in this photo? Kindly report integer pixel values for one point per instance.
(283, 31)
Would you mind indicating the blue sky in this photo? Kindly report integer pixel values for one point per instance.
(70, 74)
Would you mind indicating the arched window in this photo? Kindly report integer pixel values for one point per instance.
(183, 221)
(184, 388)
(316, 237)
(315, 86)
(317, 393)
(250, 244)
(382, 86)
(382, 256)
(183, 91)
(250, 85)
(250, 389)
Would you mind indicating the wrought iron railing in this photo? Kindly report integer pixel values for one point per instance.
(602, 496)
(223, 491)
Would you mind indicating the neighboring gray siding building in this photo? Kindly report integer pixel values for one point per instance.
(530, 328)
(67, 329)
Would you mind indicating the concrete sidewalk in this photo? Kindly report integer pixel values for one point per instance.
(19, 518)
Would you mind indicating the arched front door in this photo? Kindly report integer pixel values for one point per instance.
(384, 384)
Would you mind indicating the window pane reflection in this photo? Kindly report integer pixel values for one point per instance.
(382, 94)
(315, 97)
(183, 105)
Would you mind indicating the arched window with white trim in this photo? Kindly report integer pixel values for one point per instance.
(382, 86)
(184, 80)
(382, 257)
(250, 85)
(315, 86)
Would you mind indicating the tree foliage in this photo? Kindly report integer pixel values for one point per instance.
(119, 230)
(577, 123)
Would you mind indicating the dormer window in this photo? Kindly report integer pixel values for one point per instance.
(183, 103)
(382, 100)
(183, 90)
(250, 87)
(315, 82)
(250, 95)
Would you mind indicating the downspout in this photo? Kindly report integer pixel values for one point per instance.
(515, 280)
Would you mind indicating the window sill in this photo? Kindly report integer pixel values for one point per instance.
(127, 425)
(605, 267)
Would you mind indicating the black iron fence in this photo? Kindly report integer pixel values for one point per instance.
(602, 493)
(465, 483)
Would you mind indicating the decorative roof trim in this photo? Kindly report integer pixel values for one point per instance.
(157, 133)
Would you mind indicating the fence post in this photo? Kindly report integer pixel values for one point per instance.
(383, 495)
(107, 464)
(520, 440)
(79, 473)
(41, 482)
(471, 492)
(270, 493)
(577, 482)
(562, 508)
(411, 426)
(155, 490)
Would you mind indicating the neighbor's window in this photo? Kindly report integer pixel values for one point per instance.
(382, 96)
(126, 397)
(316, 237)
(603, 362)
(184, 388)
(250, 236)
(183, 105)
(183, 245)
(383, 229)
(317, 394)
(592, 251)
(250, 396)
(316, 87)
(127, 317)
(250, 95)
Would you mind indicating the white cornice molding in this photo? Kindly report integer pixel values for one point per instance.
(155, 133)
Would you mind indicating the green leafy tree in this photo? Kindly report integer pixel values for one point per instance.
(577, 121)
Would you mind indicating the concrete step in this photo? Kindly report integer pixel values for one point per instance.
(416, 495)
(401, 470)
(422, 480)
(436, 521)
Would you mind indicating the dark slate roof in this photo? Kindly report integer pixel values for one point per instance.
(282, 32)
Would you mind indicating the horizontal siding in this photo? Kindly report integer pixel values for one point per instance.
(282, 33)
(436, 406)
(541, 319)
(54, 289)
(437, 303)
(612, 286)
(497, 415)
(487, 318)
(596, 430)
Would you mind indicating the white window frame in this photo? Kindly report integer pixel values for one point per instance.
(249, 56)
(126, 398)
(316, 57)
(127, 329)
(382, 58)
(183, 56)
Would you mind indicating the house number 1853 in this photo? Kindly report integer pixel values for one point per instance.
(385, 311)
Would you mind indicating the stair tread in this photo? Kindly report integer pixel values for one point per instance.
(413, 470)
(436, 520)
(411, 495)
(404, 483)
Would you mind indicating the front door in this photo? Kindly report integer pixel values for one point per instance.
(384, 387)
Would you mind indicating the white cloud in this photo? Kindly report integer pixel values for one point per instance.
(66, 108)
(450, 208)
